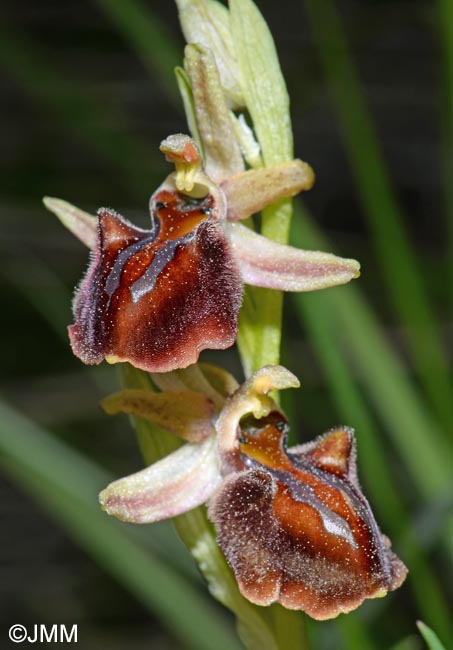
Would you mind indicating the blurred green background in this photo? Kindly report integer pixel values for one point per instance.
(87, 95)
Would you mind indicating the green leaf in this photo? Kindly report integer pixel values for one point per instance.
(411, 642)
(432, 640)
(445, 26)
(399, 403)
(66, 484)
(400, 268)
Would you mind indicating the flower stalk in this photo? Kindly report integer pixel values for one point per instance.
(155, 298)
(267, 100)
(255, 625)
(260, 321)
(259, 333)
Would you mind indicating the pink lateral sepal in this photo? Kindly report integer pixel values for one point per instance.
(264, 263)
(177, 483)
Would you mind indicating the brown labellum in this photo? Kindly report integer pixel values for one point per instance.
(295, 527)
(158, 297)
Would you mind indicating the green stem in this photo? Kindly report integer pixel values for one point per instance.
(267, 333)
(260, 323)
(290, 628)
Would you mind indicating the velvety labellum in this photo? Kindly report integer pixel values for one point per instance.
(295, 527)
(158, 297)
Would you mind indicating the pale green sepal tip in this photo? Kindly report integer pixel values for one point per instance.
(262, 81)
(82, 224)
(207, 23)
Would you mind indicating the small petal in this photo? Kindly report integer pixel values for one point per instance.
(264, 263)
(179, 482)
(80, 223)
(253, 190)
(188, 415)
(171, 381)
(250, 147)
(222, 155)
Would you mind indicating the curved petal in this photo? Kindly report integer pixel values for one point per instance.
(187, 414)
(222, 381)
(265, 263)
(189, 379)
(251, 191)
(179, 482)
(222, 154)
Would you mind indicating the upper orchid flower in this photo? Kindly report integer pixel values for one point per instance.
(292, 522)
(157, 297)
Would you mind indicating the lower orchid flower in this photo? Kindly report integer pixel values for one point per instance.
(292, 522)
(157, 297)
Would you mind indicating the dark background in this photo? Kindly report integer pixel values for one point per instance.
(89, 161)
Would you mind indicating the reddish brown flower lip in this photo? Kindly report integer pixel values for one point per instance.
(295, 527)
(157, 297)
(292, 523)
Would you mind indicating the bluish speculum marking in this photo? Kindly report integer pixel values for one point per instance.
(332, 522)
(114, 277)
(164, 256)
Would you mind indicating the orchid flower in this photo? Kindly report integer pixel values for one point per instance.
(157, 297)
(292, 522)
